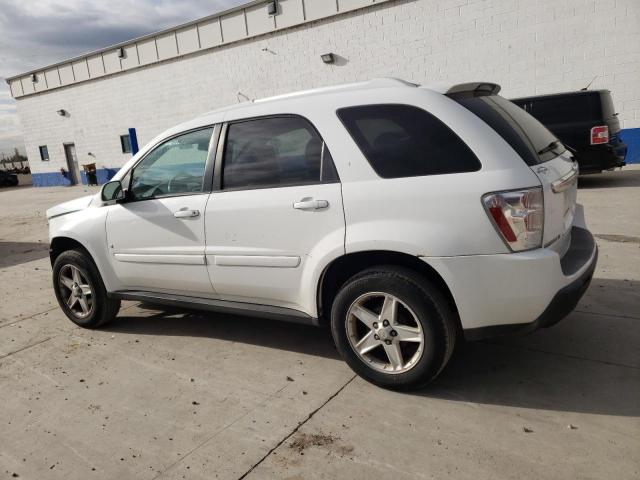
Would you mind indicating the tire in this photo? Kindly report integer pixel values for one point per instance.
(97, 308)
(423, 317)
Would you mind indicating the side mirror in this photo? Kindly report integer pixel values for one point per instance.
(112, 191)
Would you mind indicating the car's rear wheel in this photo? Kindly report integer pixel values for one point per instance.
(393, 327)
(80, 291)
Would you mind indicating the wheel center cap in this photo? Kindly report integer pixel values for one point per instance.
(383, 333)
(75, 289)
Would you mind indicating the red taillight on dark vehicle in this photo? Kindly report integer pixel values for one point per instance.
(599, 134)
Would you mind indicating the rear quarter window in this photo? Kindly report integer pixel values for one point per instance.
(406, 141)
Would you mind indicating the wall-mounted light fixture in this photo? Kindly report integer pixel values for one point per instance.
(328, 58)
(122, 53)
(34, 78)
(272, 8)
(62, 112)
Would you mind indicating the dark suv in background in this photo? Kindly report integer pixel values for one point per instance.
(8, 179)
(586, 122)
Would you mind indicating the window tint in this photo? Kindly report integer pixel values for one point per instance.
(271, 152)
(125, 143)
(406, 141)
(174, 167)
(526, 135)
(44, 153)
(560, 109)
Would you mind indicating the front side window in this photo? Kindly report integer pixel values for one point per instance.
(44, 153)
(406, 141)
(175, 167)
(125, 143)
(275, 152)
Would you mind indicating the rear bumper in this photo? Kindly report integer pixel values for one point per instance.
(519, 292)
(597, 158)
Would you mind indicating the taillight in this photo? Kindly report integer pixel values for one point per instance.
(518, 216)
(599, 134)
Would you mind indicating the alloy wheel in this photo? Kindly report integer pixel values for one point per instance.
(76, 291)
(385, 333)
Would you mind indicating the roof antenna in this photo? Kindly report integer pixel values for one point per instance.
(589, 84)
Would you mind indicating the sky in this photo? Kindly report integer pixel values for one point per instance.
(35, 33)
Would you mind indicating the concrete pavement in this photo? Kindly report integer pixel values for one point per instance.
(164, 394)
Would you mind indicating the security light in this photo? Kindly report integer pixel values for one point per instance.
(62, 112)
(272, 8)
(122, 53)
(328, 58)
(34, 78)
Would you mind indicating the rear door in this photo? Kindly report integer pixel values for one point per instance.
(545, 155)
(275, 212)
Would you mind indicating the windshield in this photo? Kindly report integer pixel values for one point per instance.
(526, 135)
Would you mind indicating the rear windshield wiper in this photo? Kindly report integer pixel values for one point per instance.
(549, 148)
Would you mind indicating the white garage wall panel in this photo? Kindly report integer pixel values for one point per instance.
(257, 22)
(167, 46)
(315, 9)
(147, 51)
(16, 88)
(52, 77)
(80, 70)
(210, 33)
(111, 61)
(291, 13)
(66, 74)
(96, 66)
(41, 83)
(188, 40)
(130, 59)
(234, 27)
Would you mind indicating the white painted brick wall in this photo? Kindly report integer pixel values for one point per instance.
(527, 46)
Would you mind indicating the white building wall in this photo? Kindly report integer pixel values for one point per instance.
(529, 47)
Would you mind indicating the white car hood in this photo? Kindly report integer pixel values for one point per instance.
(69, 207)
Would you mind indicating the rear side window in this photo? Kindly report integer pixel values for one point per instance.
(275, 152)
(406, 141)
(526, 135)
(560, 110)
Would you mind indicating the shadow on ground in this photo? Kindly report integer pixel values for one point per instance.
(618, 178)
(16, 253)
(552, 369)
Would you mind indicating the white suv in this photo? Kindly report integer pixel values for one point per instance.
(402, 216)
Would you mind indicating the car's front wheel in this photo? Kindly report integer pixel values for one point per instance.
(80, 290)
(393, 327)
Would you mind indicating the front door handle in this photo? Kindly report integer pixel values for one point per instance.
(309, 204)
(186, 213)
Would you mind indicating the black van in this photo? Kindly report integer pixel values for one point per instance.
(585, 122)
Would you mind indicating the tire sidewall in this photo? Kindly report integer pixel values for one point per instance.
(428, 312)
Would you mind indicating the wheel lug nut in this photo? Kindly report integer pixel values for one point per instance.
(376, 337)
(388, 342)
(385, 323)
(394, 333)
(375, 324)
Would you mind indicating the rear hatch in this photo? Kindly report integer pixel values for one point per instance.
(542, 151)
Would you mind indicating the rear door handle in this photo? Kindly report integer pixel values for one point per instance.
(186, 213)
(309, 204)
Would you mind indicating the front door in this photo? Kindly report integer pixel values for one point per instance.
(72, 163)
(156, 236)
(277, 213)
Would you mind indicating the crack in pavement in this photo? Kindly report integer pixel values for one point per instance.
(293, 432)
(608, 314)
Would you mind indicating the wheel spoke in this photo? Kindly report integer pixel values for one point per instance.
(367, 343)
(389, 309)
(365, 315)
(408, 334)
(395, 355)
(66, 281)
(86, 289)
(83, 304)
(76, 275)
(71, 301)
